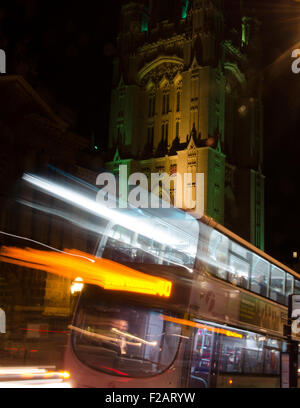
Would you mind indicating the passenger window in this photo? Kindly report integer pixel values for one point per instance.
(260, 275)
(272, 357)
(218, 254)
(277, 285)
(289, 287)
(239, 266)
(297, 287)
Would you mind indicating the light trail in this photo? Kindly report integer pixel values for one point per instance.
(162, 232)
(185, 322)
(105, 273)
(46, 246)
(101, 336)
(130, 336)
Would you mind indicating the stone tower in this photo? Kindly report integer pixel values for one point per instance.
(186, 98)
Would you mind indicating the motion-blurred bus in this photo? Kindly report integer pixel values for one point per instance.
(222, 324)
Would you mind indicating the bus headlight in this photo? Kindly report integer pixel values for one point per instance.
(77, 285)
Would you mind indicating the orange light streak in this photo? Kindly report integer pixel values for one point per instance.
(185, 322)
(102, 272)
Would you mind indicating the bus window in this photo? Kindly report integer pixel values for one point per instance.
(231, 355)
(122, 339)
(218, 254)
(239, 265)
(260, 275)
(201, 358)
(289, 287)
(253, 356)
(118, 245)
(297, 287)
(272, 357)
(277, 285)
(123, 245)
(221, 350)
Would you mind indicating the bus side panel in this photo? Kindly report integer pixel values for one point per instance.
(215, 300)
(247, 381)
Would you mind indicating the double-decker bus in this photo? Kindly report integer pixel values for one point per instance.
(221, 326)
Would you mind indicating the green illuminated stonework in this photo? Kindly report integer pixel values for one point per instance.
(144, 25)
(184, 9)
(183, 101)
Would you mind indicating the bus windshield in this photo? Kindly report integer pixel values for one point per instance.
(120, 339)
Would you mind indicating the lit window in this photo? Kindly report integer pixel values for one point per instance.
(277, 284)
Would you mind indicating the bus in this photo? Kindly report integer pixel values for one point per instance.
(221, 326)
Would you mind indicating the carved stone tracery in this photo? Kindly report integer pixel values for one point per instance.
(166, 70)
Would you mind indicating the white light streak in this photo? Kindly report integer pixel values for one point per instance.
(130, 336)
(47, 246)
(145, 228)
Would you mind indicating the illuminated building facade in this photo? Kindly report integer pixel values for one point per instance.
(186, 98)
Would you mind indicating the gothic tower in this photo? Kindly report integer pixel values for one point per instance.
(186, 98)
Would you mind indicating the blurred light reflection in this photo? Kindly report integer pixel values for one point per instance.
(102, 272)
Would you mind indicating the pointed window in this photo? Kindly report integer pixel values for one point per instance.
(165, 103)
(177, 129)
(152, 137)
(178, 102)
(151, 106)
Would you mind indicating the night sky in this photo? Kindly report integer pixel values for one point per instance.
(64, 49)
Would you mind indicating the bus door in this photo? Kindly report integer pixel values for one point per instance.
(204, 361)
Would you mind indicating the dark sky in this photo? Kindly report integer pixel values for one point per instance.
(281, 34)
(64, 48)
